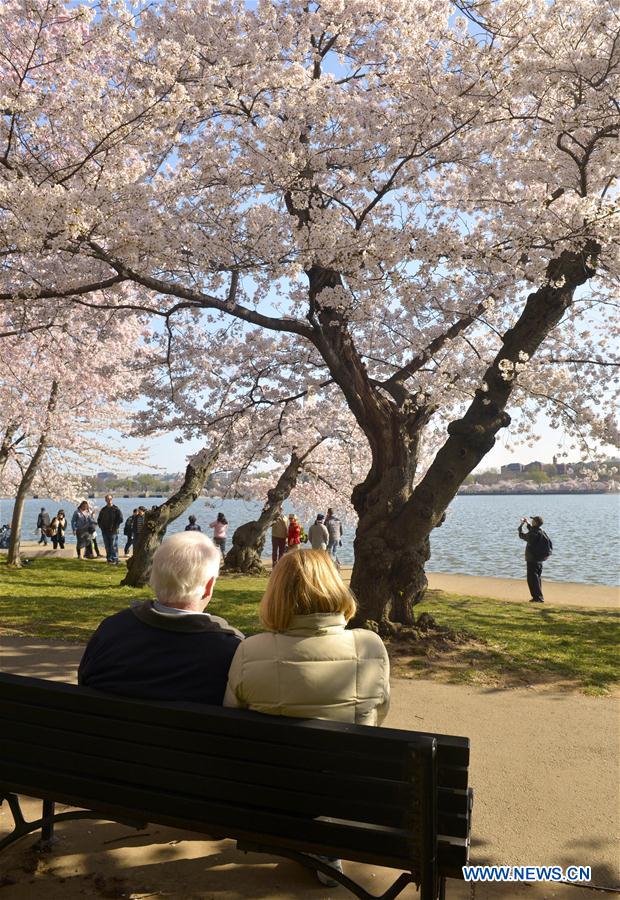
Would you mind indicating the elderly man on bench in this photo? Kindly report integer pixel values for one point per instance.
(168, 648)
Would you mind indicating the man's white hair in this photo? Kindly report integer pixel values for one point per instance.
(182, 566)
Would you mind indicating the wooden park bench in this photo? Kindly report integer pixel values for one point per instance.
(288, 787)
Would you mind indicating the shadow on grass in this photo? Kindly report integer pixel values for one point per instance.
(64, 599)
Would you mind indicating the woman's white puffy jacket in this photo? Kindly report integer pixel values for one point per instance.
(316, 669)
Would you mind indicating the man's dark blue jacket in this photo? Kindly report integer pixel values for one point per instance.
(141, 652)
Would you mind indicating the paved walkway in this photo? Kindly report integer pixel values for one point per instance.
(544, 769)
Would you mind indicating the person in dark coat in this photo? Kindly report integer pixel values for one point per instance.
(168, 648)
(537, 550)
(109, 520)
(139, 520)
(128, 530)
(192, 525)
(43, 524)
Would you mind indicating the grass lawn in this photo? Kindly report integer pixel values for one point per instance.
(505, 643)
(517, 643)
(65, 599)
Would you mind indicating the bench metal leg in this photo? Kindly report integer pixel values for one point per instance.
(311, 862)
(47, 828)
(46, 823)
(442, 889)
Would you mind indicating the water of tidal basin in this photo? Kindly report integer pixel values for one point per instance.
(479, 536)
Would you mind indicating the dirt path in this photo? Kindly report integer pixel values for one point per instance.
(544, 768)
(557, 593)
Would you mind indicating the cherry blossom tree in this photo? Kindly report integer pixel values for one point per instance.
(423, 196)
(62, 390)
(269, 414)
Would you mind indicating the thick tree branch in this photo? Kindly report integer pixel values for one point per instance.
(199, 300)
(51, 293)
(471, 437)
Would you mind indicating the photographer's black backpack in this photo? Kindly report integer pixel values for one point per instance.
(543, 548)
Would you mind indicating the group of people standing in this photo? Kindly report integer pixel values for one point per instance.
(53, 528)
(324, 534)
(287, 533)
(84, 526)
(220, 529)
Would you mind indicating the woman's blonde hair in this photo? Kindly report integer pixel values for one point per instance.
(304, 582)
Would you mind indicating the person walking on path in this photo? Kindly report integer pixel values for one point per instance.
(192, 524)
(83, 527)
(308, 663)
(318, 534)
(334, 527)
(279, 534)
(538, 548)
(294, 533)
(43, 524)
(5, 536)
(128, 531)
(58, 526)
(220, 527)
(109, 520)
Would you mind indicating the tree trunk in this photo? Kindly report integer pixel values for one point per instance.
(248, 541)
(158, 518)
(388, 572)
(13, 557)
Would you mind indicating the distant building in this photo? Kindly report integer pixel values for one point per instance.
(535, 466)
(105, 476)
(560, 468)
(512, 467)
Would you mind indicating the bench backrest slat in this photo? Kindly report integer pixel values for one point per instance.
(305, 734)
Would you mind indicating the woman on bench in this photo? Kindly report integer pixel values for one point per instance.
(308, 664)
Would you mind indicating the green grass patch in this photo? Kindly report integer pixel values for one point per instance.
(511, 643)
(523, 641)
(66, 599)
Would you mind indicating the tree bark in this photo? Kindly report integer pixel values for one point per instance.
(248, 541)
(158, 518)
(388, 571)
(13, 557)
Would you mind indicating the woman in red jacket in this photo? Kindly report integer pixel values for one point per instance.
(294, 533)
